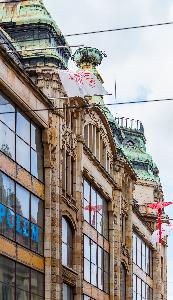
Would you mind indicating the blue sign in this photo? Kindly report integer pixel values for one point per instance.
(22, 224)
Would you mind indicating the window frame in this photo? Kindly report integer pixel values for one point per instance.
(14, 285)
(14, 210)
(67, 245)
(17, 137)
(142, 255)
(103, 271)
(94, 215)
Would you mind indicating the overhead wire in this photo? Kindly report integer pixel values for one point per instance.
(86, 106)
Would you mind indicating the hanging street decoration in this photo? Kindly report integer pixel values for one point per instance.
(81, 84)
(166, 229)
(159, 206)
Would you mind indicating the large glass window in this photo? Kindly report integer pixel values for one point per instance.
(21, 215)
(96, 265)
(67, 292)
(20, 138)
(142, 255)
(95, 209)
(19, 282)
(141, 290)
(67, 243)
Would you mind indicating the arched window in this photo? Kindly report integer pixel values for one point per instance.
(123, 282)
(67, 243)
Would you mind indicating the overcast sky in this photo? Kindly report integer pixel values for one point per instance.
(141, 62)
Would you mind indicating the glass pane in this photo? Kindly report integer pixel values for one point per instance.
(100, 258)
(94, 274)
(99, 204)
(7, 193)
(22, 295)
(106, 262)
(37, 283)
(36, 165)
(7, 270)
(93, 218)
(139, 287)
(6, 106)
(7, 222)
(64, 230)
(23, 127)
(134, 248)
(99, 223)
(67, 292)
(69, 256)
(22, 231)
(22, 154)
(7, 141)
(37, 238)
(143, 257)
(36, 210)
(36, 140)
(64, 254)
(6, 292)
(134, 283)
(22, 201)
(93, 197)
(22, 277)
(105, 219)
(143, 290)
(86, 247)
(86, 211)
(86, 270)
(106, 282)
(86, 190)
(147, 261)
(93, 252)
(100, 279)
(139, 254)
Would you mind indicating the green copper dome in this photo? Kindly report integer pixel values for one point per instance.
(30, 24)
(134, 148)
(88, 55)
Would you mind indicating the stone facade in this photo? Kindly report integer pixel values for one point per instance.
(79, 144)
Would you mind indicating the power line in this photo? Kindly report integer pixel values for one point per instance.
(120, 29)
(91, 105)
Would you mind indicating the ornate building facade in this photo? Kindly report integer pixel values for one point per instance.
(74, 181)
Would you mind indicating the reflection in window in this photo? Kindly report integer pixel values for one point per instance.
(67, 292)
(142, 255)
(141, 290)
(19, 282)
(96, 265)
(21, 215)
(95, 209)
(67, 243)
(20, 139)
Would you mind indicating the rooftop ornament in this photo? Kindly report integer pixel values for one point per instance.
(89, 56)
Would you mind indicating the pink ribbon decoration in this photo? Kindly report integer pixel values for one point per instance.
(93, 208)
(159, 206)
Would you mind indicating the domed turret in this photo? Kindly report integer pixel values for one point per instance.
(32, 27)
(89, 58)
